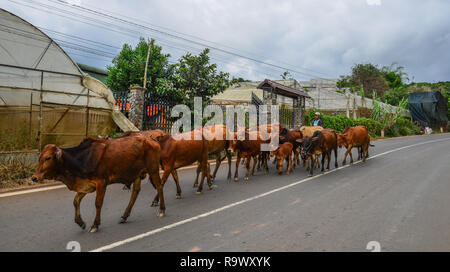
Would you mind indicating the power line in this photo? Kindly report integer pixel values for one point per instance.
(180, 38)
(61, 2)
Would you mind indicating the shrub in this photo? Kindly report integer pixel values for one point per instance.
(340, 122)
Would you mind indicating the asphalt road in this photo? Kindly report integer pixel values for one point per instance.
(398, 198)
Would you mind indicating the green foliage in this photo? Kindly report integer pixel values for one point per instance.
(367, 77)
(195, 76)
(374, 127)
(402, 127)
(129, 66)
(340, 122)
(286, 75)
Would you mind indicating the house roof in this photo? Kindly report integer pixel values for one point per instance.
(282, 89)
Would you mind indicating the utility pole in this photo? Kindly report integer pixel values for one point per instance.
(146, 63)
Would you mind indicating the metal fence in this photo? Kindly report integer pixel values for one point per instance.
(156, 110)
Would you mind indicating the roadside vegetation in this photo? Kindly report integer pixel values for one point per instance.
(390, 84)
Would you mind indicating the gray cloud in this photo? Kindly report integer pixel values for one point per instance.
(320, 38)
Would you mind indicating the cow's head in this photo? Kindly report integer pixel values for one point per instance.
(341, 139)
(308, 145)
(48, 163)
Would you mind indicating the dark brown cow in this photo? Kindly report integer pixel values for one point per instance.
(249, 149)
(97, 163)
(355, 137)
(282, 153)
(323, 141)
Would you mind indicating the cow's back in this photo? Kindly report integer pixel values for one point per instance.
(309, 130)
(125, 158)
(357, 136)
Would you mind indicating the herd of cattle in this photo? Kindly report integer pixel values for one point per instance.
(96, 162)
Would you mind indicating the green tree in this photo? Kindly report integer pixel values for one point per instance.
(196, 76)
(366, 76)
(129, 66)
(394, 75)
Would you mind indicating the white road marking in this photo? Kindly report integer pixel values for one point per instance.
(173, 225)
(32, 191)
(54, 187)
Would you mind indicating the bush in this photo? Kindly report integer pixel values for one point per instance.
(402, 127)
(340, 122)
(374, 127)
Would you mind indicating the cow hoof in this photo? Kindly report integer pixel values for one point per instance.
(198, 193)
(310, 175)
(246, 179)
(236, 179)
(82, 225)
(178, 197)
(195, 185)
(122, 220)
(93, 229)
(154, 204)
(161, 214)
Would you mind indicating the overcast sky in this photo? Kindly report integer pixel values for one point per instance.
(315, 38)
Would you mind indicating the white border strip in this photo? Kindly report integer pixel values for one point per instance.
(149, 233)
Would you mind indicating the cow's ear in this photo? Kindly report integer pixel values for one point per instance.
(299, 140)
(58, 154)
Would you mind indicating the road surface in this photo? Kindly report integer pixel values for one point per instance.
(399, 198)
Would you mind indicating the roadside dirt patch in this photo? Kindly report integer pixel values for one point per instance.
(12, 185)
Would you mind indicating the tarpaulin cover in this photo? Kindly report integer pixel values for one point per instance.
(428, 106)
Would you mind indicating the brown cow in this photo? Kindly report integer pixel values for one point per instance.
(176, 153)
(355, 137)
(323, 141)
(249, 149)
(282, 153)
(217, 139)
(97, 163)
(291, 135)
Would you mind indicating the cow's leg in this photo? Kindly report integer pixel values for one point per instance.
(229, 164)
(335, 158)
(76, 204)
(255, 158)
(159, 188)
(329, 159)
(134, 194)
(163, 180)
(359, 152)
(365, 150)
(296, 160)
(247, 166)
(218, 163)
(101, 190)
(349, 150)
(177, 183)
(259, 159)
(238, 160)
(311, 163)
(205, 168)
(289, 167)
(199, 169)
(308, 161)
(324, 154)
